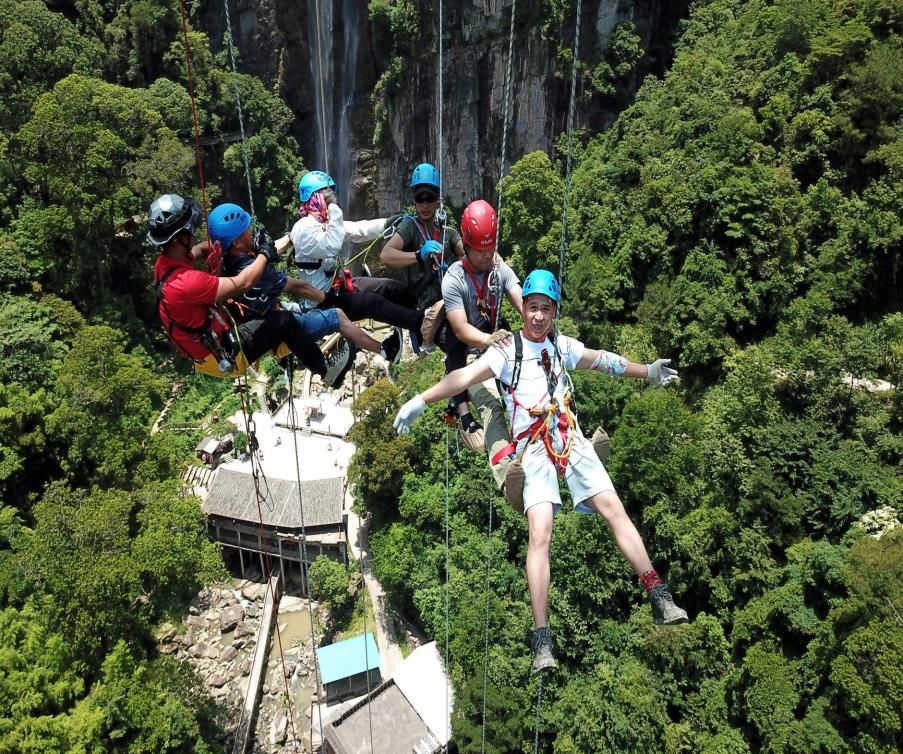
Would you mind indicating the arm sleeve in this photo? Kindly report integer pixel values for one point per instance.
(453, 291)
(572, 351)
(496, 358)
(508, 276)
(359, 231)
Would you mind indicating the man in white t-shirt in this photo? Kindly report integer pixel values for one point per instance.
(548, 444)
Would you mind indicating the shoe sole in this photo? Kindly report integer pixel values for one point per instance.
(680, 620)
(551, 664)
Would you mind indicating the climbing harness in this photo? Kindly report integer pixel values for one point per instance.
(488, 295)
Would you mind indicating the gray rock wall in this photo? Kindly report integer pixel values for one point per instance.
(277, 40)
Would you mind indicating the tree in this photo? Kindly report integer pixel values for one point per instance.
(329, 583)
(106, 402)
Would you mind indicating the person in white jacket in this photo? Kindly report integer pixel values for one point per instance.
(318, 237)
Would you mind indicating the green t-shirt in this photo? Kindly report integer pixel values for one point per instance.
(421, 277)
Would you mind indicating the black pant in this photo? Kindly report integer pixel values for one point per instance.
(366, 304)
(258, 336)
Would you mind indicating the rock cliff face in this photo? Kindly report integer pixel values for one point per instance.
(324, 58)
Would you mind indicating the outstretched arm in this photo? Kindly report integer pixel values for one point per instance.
(657, 373)
(453, 383)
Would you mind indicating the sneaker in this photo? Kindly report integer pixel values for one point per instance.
(542, 650)
(339, 362)
(514, 486)
(664, 611)
(471, 432)
(432, 321)
(390, 348)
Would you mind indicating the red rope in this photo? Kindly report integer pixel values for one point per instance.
(243, 387)
(194, 111)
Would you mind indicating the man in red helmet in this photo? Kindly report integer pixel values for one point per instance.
(473, 290)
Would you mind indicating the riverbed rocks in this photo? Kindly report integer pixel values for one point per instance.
(218, 638)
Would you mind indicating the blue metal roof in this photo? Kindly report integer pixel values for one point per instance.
(347, 658)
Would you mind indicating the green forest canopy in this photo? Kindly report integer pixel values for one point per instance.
(741, 216)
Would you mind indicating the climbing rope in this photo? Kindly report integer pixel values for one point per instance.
(241, 119)
(486, 631)
(194, 109)
(294, 427)
(538, 706)
(447, 701)
(567, 176)
(321, 91)
(505, 120)
(257, 473)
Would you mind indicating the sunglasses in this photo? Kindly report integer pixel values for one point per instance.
(426, 198)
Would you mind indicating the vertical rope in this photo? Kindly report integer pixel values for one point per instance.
(567, 179)
(486, 629)
(322, 93)
(304, 571)
(268, 567)
(538, 705)
(189, 69)
(447, 701)
(439, 125)
(505, 120)
(241, 119)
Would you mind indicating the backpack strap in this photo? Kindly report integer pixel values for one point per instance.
(518, 361)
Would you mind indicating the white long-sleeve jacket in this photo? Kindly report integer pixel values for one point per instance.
(322, 242)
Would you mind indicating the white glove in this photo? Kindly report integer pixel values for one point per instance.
(659, 374)
(407, 413)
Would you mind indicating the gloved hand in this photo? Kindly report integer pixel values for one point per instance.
(266, 246)
(329, 197)
(499, 336)
(429, 248)
(408, 413)
(659, 374)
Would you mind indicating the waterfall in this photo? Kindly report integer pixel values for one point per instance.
(333, 75)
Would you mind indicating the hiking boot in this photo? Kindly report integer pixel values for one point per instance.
(601, 444)
(432, 321)
(542, 650)
(390, 348)
(339, 362)
(664, 611)
(471, 432)
(514, 486)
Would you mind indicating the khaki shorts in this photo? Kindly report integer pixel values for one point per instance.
(585, 476)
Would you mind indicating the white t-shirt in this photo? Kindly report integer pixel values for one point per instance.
(533, 388)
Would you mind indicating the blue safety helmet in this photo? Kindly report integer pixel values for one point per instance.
(227, 222)
(425, 175)
(312, 182)
(544, 282)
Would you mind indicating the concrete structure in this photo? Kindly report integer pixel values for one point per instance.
(244, 734)
(285, 524)
(409, 713)
(349, 668)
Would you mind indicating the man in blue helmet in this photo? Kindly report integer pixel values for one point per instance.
(190, 300)
(266, 294)
(423, 248)
(548, 445)
(318, 238)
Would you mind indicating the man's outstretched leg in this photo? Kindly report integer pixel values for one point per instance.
(539, 520)
(630, 543)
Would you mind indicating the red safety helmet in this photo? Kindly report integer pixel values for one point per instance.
(479, 226)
